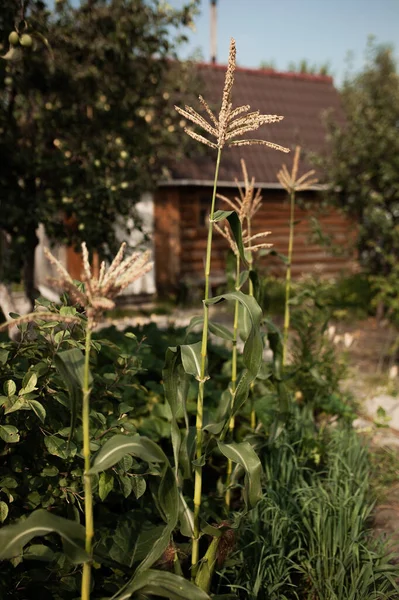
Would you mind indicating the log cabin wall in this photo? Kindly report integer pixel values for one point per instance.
(181, 215)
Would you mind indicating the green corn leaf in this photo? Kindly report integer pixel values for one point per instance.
(119, 445)
(235, 226)
(162, 584)
(241, 392)
(194, 323)
(206, 569)
(70, 365)
(253, 348)
(186, 517)
(168, 505)
(145, 542)
(176, 384)
(220, 331)
(13, 538)
(243, 278)
(191, 359)
(244, 322)
(244, 455)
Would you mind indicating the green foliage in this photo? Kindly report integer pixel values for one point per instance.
(317, 370)
(362, 165)
(309, 535)
(86, 127)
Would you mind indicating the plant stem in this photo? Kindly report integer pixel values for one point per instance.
(87, 478)
(251, 293)
(288, 279)
(233, 380)
(200, 399)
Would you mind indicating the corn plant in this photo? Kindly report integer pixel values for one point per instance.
(246, 205)
(168, 480)
(292, 184)
(224, 129)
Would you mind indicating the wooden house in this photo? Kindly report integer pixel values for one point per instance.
(182, 202)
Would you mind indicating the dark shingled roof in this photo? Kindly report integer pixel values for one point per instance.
(300, 98)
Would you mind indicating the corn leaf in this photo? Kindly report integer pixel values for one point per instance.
(168, 505)
(162, 584)
(236, 229)
(13, 538)
(119, 445)
(244, 455)
(70, 365)
(191, 359)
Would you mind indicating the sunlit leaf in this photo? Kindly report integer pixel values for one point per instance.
(9, 434)
(9, 388)
(3, 511)
(120, 445)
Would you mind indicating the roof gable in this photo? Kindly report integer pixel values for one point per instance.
(300, 98)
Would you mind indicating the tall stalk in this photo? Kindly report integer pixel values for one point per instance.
(88, 504)
(292, 184)
(233, 380)
(201, 386)
(251, 293)
(288, 279)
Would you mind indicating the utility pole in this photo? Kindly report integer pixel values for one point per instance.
(213, 32)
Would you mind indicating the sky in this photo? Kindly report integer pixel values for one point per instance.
(284, 31)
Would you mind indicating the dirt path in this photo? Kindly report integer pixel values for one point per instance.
(370, 367)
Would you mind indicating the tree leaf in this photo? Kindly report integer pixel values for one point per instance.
(9, 388)
(244, 454)
(29, 383)
(15, 403)
(164, 585)
(3, 511)
(59, 447)
(38, 409)
(138, 486)
(13, 538)
(120, 445)
(9, 434)
(168, 504)
(39, 552)
(105, 485)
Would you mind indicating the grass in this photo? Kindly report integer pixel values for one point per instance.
(309, 537)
